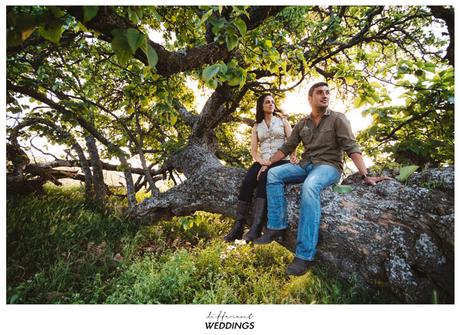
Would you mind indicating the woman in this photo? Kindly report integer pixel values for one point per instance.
(268, 134)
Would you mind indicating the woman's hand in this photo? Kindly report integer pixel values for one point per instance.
(264, 162)
(262, 169)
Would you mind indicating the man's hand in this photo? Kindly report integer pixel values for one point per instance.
(293, 159)
(374, 180)
(262, 169)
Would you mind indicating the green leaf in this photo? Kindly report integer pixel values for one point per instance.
(430, 67)
(358, 102)
(173, 119)
(122, 49)
(231, 41)
(118, 32)
(133, 16)
(268, 43)
(234, 80)
(57, 11)
(150, 52)
(15, 298)
(52, 32)
(236, 77)
(223, 68)
(243, 74)
(210, 71)
(135, 39)
(152, 56)
(241, 26)
(350, 80)
(89, 13)
(405, 172)
(206, 16)
(342, 189)
(212, 83)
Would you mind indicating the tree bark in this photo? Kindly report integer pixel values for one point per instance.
(130, 191)
(447, 14)
(148, 177)
(100, 191)
(64, 134)
(89, 189)
(170, 62)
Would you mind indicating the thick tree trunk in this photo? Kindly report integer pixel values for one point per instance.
(395, 237)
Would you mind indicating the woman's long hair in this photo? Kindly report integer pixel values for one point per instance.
(260, 108)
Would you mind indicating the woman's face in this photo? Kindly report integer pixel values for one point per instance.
(269, 104)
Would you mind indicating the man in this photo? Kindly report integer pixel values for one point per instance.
(325, 135)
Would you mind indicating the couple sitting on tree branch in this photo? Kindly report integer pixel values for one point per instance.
(325, 135)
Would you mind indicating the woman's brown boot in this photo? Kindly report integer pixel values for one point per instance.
(258, 220)
(236, 233)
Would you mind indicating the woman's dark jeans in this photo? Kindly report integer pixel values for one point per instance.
(250, 182)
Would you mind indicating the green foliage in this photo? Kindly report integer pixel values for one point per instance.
(51, 31)
(60, 251)
(419, 132)
(342, 189)
(219, 73)
(147, 283)
(234, 151)
(152, 55)
(135, 39)
(57, 245)
(241, 26)
(210, 71)
(346, 44)
(405, 172)
(89, 13)
(126, 42)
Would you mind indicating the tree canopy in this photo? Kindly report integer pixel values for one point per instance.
(114, 82)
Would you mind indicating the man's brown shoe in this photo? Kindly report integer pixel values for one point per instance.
(298, 267)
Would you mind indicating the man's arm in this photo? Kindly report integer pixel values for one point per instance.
(348, 143)
(291, 144)
(277, 156)
(361, 166)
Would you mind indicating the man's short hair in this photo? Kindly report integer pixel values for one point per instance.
(321, 83)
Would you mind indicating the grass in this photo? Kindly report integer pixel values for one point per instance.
(62, 250)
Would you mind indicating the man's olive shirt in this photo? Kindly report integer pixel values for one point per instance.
(325, 143)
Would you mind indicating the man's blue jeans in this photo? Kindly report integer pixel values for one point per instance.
(314, 178)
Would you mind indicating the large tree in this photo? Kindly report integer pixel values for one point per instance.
(114, 82)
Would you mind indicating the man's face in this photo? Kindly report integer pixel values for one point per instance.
(320, 97)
